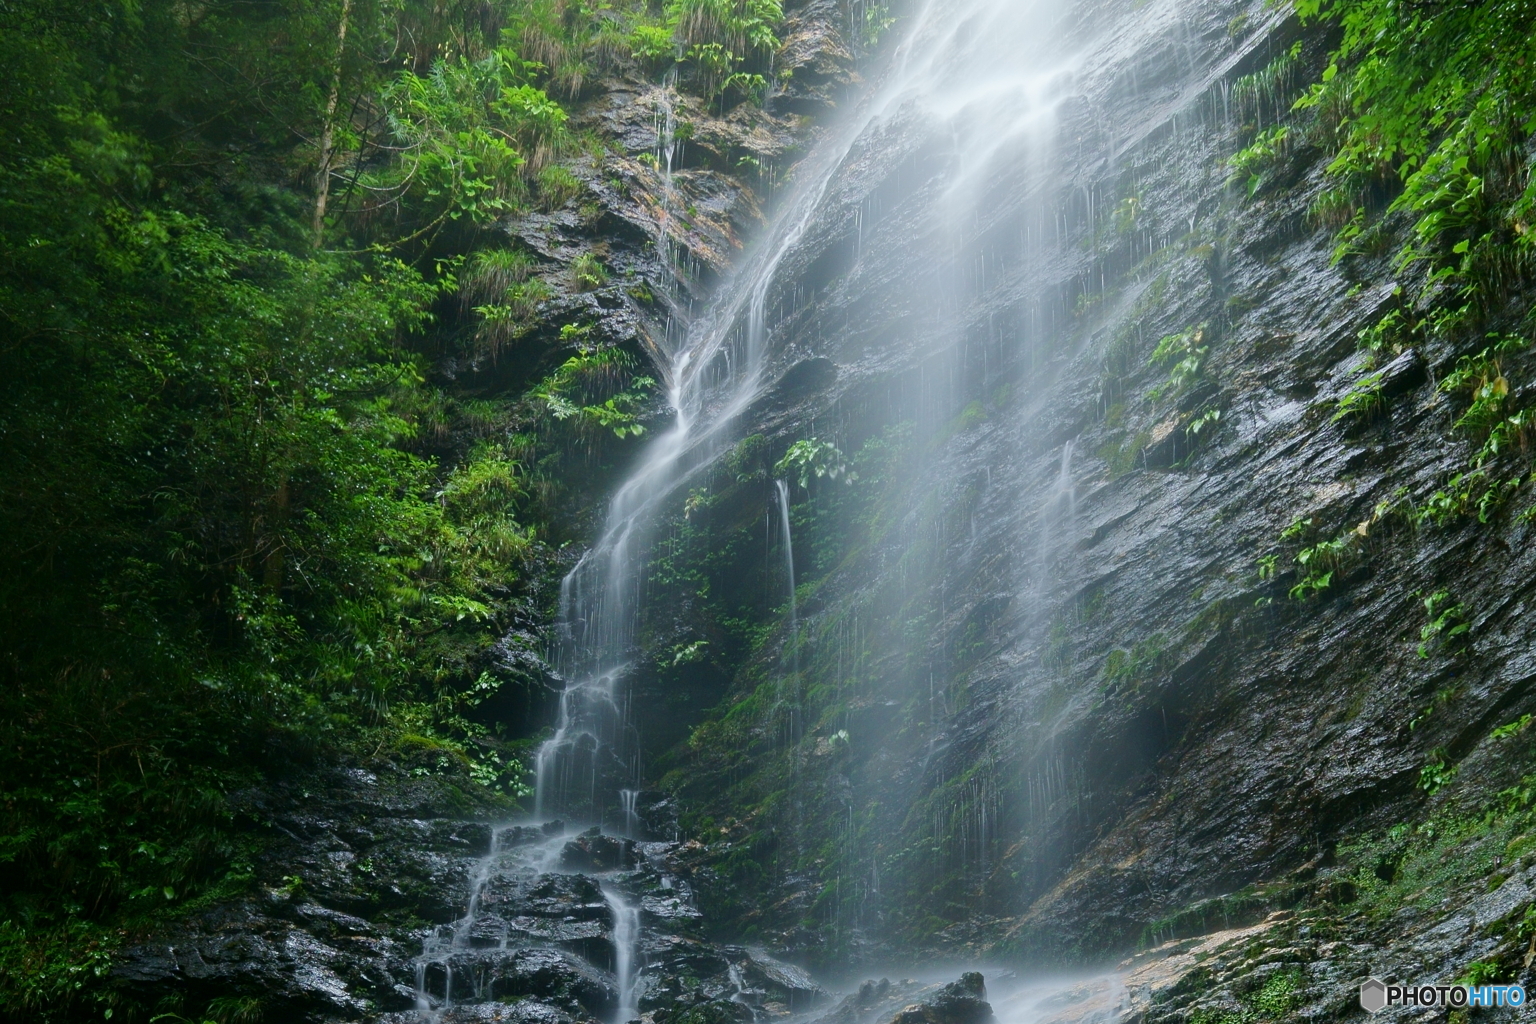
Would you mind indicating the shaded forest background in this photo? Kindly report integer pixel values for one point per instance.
(247, 525)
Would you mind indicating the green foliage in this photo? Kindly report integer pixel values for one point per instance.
(1363, 400)
(812, 459)
(652, 44)
(1509, 729)
(877, 22)
(493, 273)
(689, 653)
(229, 235)
(1481, 972)
(498, 287)
(1467, 494)
(1500, 466)
(1277, 997)
(1298, 528)
(54, 967)
(1318, 564)
(1447, 626)
(589, 272)
(739, 26)
(558, 186)
(1143, 661)
(755, 88)
(1482, 377)
(1125, 215)
(1203, 424)
(597, 390)
(1388, 334)
(1184, 354)
(748, 460)
(727, 43)
(1266, 93)
(1252, 162)
(1438, 97)
(1436, 772)
(464, 134)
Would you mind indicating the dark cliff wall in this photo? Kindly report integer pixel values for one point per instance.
(1057, 671)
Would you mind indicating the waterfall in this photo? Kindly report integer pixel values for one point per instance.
(666, 151)
(626, 952)
(717, 369)
(782, 490)
(1056, 518)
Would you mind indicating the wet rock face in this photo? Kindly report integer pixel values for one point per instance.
(959, 1002)
(963, 1001)
(461, 921)
(666, 226)
(357, 867)
(594, 851)
(1066, 701)
(554, 977)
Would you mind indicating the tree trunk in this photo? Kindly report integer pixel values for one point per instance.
(328, 128)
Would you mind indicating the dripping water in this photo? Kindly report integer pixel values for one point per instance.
(787, 540)
(629, 800)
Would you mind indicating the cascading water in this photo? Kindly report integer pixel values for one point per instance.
(666, 150)
(626, 946)
(984, 66)
(970, 102)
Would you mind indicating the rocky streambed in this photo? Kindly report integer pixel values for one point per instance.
(388, 898)
(391, 898)
(384, 897)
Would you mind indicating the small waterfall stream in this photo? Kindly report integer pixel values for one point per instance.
(626, 951)
(782, 490)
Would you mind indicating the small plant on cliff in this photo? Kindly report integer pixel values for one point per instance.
(588, 272)
(1514, 728)
(1492, 476)
(1481, 377)
(748, 460)
(810, 459)
(1319, 563)
(1447, 627)
(1184, 354)
(597, 390)
(1203, 424)
(1437, 772)
(1251, 163)
(1392, 333)
(558, 186)
(1363, 400)
(877, 21)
